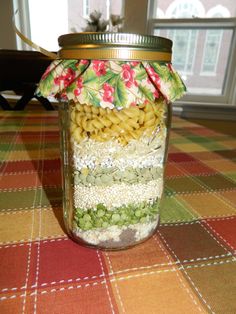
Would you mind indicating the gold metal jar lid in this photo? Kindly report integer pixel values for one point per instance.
(115, 46)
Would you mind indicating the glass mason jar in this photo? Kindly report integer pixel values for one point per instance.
(115, 92)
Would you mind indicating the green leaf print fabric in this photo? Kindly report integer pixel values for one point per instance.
(110, 84)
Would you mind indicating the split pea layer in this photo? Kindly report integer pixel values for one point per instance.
(101, 217)
(101, 176)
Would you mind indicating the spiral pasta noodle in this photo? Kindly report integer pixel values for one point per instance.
(101, 124)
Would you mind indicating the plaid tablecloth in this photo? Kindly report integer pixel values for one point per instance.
(188, 266)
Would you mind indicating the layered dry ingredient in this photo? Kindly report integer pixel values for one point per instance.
(113, 162)
(117, 158)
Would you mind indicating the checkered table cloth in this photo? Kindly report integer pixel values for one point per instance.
(188, 266)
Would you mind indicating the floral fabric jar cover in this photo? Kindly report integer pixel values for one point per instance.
(111, 84)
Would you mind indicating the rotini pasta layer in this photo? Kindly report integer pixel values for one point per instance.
(124, 125)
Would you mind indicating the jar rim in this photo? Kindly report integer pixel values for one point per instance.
(109, 39)
(115, 46)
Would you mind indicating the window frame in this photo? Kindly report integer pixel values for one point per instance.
(228, 96)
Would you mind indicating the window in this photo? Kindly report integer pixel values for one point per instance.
(45, 26)
(184, 49)
(213, 42)
(218, 11)
(160, 13)
(184, 40)
(204, 44)
(48, 19)
(211, 51)
(85, 8)
(185, 9)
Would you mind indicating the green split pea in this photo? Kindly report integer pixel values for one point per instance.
(101, 217)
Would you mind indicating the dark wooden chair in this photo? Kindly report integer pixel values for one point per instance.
(20, 71)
